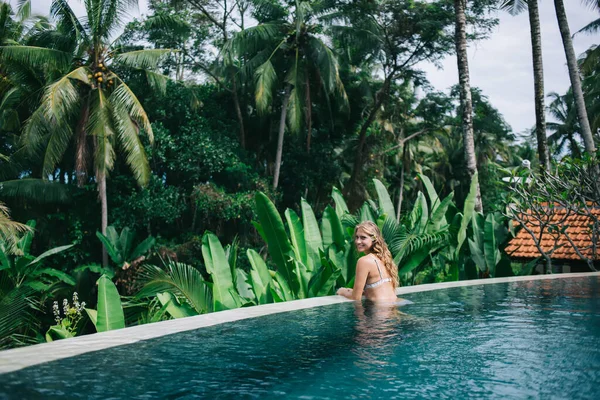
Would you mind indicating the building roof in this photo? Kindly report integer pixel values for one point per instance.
(523, 246)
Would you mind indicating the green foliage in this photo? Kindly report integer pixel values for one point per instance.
(120, 247)
(109, 314)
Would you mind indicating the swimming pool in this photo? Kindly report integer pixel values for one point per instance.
(528, 339)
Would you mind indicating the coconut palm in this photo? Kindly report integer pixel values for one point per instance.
(574, 75)
(289, 49)
(465, 95)
(566, 129)
(593, 26)
(515, 7)
(590, 68)
(86, 101)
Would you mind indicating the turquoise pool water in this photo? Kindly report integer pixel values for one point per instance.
(536, 339)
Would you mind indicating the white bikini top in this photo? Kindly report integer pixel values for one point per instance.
(381, 280)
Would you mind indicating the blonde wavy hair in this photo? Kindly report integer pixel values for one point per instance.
(380, 249)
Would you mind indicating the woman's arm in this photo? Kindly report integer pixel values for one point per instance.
(362, 272)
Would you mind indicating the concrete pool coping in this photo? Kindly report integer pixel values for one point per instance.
(16, 359)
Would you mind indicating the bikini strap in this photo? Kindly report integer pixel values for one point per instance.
(378, 269)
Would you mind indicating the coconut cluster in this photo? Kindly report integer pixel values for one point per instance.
(101, 75)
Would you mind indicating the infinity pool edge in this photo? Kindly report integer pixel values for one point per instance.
(23, 357)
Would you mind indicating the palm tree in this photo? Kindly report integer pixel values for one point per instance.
(388, 38)
(593, 26)
(590, 68)
(564, 131)
(574, 75)
(515, 7)
(465, 95)
(289, 48)
(86, 102)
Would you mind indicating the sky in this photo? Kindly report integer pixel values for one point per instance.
(500, 66)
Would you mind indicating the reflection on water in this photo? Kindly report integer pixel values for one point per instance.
(536, 339)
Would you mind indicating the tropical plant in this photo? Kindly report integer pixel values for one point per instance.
(515, 7)
(566, 128)
(69, 323)
(574, 75)
(369, 32)
(24, 286)
(120, 247)
(109, 313)
(86, 101)
(290, 48)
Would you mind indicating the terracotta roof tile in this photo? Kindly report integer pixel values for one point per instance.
(578, 228)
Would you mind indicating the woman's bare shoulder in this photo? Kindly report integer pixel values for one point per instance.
(366, 261)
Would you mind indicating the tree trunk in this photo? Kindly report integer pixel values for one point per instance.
(81, 153)
(350, 190)
(238, 113)
(101, 179)
(538, 83)
(308, 116)
(565, 33)
(465, 95)
(286, 100)
(405, 163)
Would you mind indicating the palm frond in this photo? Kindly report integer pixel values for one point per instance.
(23, 9)
(58, 141)
(181, 280)
(295, 107)
(143, 59)
(265, 79)
(253, 39)
(123, 99)
(35, 57)
(62, 97)
(514, 7)
(36, 190)
(591, 28)
(67, 20)
(128, 134)
(100, 125)
(10, 231)
(17, 320)
(157, 81)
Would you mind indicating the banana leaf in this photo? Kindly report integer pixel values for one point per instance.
(341, 207)
(297, 235)
(438, 216)
(110, 312)
(323, 280)
(467, 215)
(143, 247)
(50, 252)
(333, 231)
(260, 277)
(57, 332)
(280, 289)
(63, 276)
(174, 307)
(218, 267)
(385, 202)
(312, 235)
(280, 249)
(244, 287)
(414, 260)
(433, 196)
(113, 253)
(366, 214)
(490, 244)
(419, 215)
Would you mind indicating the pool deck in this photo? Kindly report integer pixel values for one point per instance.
(16, 359)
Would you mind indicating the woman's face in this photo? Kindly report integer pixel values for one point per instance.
(363, 241)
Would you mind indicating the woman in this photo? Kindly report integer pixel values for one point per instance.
(376, 274)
